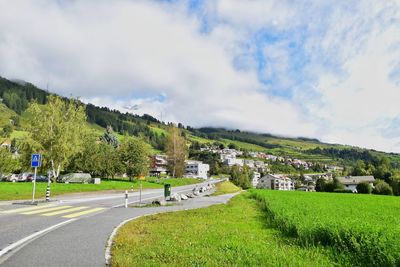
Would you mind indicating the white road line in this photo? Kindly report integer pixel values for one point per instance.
(25, 240)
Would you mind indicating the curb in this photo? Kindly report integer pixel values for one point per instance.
(114, 232)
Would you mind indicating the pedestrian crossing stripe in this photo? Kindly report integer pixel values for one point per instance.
(26, 209)
(45, 210)
(53, 210)
(74, 215)
(58, 212)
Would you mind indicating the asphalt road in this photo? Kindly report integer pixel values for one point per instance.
(73, 231)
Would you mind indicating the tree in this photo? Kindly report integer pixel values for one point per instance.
(364, 188)
(7, 131)
(58, 127)
(241, 178)
(320, 185)
(233, 146)
(333, 185)
(8, 163)
(110, 161)
(109, 138)
(359, 169)
(135, 157)
(382, 188)
(176, 151)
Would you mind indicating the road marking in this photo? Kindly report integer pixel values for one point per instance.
(45, 210)
(26, 209)
(77, 214)
(63, 211)
(11, 247)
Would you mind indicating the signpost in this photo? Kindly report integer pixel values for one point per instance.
(141, 178)
(35, 163)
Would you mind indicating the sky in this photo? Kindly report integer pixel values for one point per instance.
(326, 69)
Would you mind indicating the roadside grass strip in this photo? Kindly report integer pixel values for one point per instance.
(235, 234)
(77, 214)
(63, 211)
(25, 209)
(45, 210)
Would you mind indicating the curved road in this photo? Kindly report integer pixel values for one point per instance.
(73, 231)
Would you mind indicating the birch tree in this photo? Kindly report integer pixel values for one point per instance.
(59, 127)
(176, 151)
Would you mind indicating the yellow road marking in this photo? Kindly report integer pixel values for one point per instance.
(77, 214)
(63, 211)
(45, 210)
(27, 209)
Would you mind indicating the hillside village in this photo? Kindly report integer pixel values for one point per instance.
(251, 160)
(261, 176)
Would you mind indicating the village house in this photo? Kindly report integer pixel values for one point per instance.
(159, 165)
(196, 169)
(276, 182)
(351, 182)
(249, 163)
(234, 161)
(254, 179)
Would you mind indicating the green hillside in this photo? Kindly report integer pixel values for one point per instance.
(15, 98)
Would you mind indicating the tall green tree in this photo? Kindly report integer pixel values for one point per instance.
(59, 127)
(176, 151)
(135, 157)
(241, 177)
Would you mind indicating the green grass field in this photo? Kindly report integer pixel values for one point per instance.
(16, 191)
(225, 187)
(367, 227)
(235, 234)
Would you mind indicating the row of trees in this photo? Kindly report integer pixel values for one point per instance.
(59, 131)
(380, 187)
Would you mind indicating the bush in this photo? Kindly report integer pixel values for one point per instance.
(339, 190)
(333, 186)
(382, 188)
(364, 188)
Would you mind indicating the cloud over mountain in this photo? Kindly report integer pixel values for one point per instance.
(320, 68)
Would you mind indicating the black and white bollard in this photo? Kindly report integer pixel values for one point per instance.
(126, 198)
(48, 193)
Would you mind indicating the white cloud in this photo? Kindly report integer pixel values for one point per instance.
(129, 52)
(105, 51)
(357, 101)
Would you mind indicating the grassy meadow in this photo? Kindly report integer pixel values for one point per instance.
(367, 227)
(236, 234)
(268, 228)
(21, 190)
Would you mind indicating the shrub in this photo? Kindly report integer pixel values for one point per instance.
(340, 190)
(364, 188)
(382, 188)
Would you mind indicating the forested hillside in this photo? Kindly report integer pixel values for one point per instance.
(16, 96)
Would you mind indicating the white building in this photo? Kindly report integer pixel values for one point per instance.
(255, 178)
(351, 182)
(276, 182)
(196, 169)
(249, 163)
(234, 161)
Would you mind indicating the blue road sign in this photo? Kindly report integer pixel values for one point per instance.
(35, 161)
